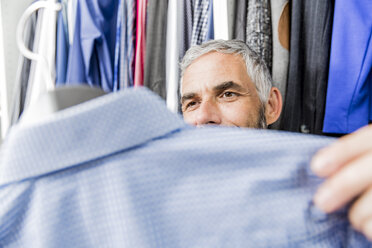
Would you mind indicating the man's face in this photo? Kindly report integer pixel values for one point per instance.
(216, 89)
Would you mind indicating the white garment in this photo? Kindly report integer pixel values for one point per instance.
(71, 18)
(172, 70)
(220, 19)
(231, 14)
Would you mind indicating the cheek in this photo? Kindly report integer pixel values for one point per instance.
(188, 118)
(241, 113)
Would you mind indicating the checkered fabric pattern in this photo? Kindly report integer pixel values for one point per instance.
(200, 21)
(259, 30)
(122, 171)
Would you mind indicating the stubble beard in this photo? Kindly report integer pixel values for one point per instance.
(261, 120)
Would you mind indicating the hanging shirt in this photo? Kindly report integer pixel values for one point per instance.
(172, 68)
(140, 43)
(200, 22)
(156, 41)
(119, 23)
(241, 20)
(122, 171)
(65, 16)
(127, 44)
(259, 33)
(184, 24)
(349, 93)
(211, 26)
(91, 56)
(304, 105)
(62, 47)
(220, 17)
(231, 16)
(71, 18)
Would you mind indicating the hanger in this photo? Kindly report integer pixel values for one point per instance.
(53, 6)
(54, 99)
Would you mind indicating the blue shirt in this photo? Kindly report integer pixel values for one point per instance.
(91, 55)
(122, 171)
(62, 46)
(349, 93)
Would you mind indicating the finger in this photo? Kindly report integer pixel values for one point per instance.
(361, 210)
(367, 229)
(346, 184)
(330, 159)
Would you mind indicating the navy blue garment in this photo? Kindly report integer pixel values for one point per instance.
(92, 53)
(349, 93)
(120, 22)
(62, 48)
(310, 45)
(123, 171)
(210, 32)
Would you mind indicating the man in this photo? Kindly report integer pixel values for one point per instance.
(226, 83)
(122, 171)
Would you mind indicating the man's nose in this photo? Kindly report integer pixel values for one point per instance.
(208, 114)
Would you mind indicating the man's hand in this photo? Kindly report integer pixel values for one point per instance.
(347, 165)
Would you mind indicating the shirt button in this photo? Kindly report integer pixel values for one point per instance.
(304, 129)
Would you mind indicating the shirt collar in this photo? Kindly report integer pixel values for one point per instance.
(85, 132)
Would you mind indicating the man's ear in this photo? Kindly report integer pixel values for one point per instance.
(273, 106)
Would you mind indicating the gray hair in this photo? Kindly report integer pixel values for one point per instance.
(256, 67)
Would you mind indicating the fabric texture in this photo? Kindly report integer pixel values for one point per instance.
(71, 18)
(310, 43)
(259, 33)
(200, 22)
(349, 97)
(122, 171)
(184, 22)
(211, 24)
(185, 18)
(172, 48)
(118, 42)
(127, 45)
(91, 56)
(156, 37)
(140, 43)
(231, 15)
(62, 46)
(221, 19)
(241, 20)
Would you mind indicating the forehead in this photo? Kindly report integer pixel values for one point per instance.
(213, 68)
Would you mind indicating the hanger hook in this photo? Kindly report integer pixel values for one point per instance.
(19, 37)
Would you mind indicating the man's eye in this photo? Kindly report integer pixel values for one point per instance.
(229, 94)
(190, 104)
